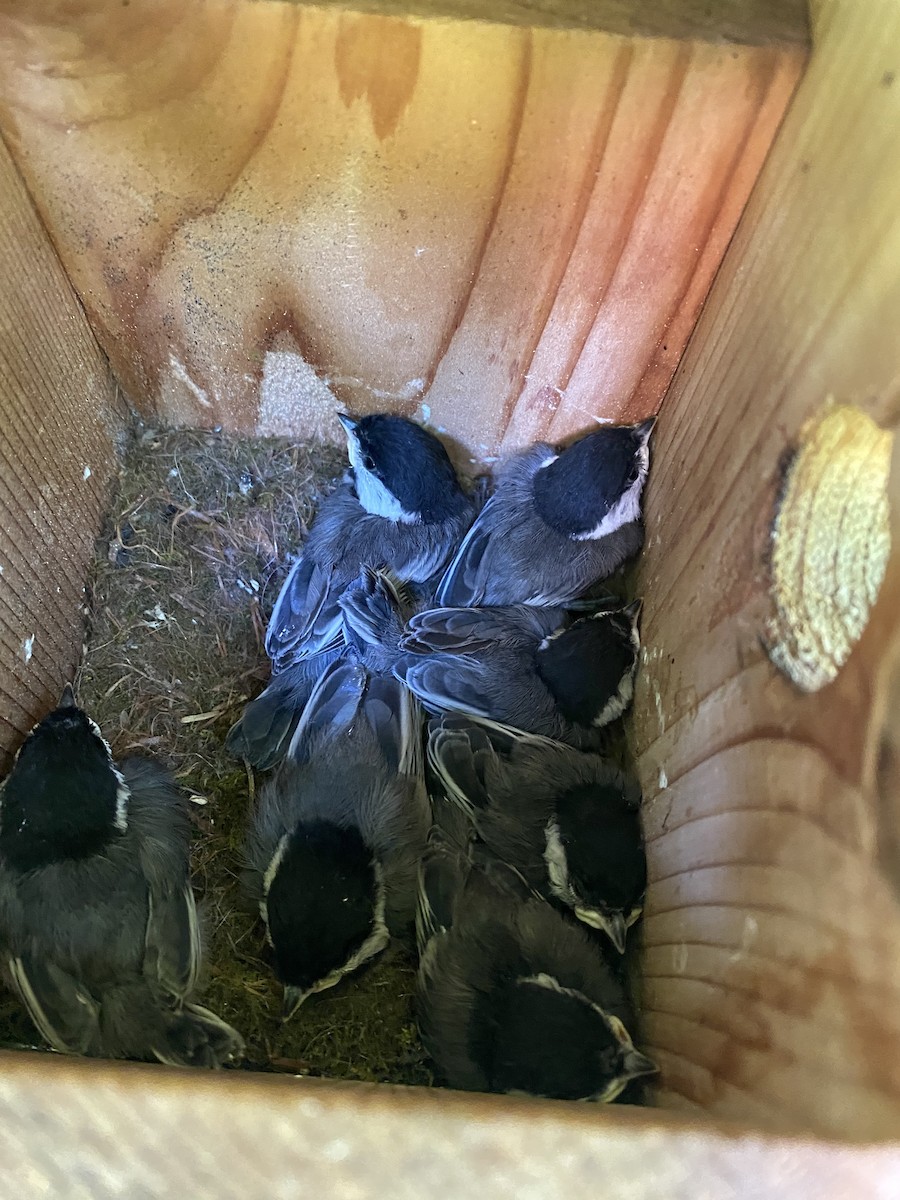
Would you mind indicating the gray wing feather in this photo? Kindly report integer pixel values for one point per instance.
(173, 945)
(64, 1012)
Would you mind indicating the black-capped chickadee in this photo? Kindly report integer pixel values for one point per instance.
(404, 509)
(264, 729)
(543, 670)
(559, 521)
(513, 997)
(566, 820)
(98, 925)
(333, 847)
(374, 608)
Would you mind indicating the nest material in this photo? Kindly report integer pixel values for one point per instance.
(201, 534)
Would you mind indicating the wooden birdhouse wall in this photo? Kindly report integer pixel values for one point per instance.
(258, 212)
(271, 210)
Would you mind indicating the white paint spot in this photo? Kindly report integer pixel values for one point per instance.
(605, 420)
(28, 648)
(336, 1151)
(251, 587)
(195, 799)
(409, 391)
(680, 958)
(748, 937)
(420, 250)
(426, 413)
(86, 473)
(1, 568)
(663, 779)
(179, 371)
(661, 716)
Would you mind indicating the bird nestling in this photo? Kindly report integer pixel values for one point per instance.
(547, 671)
(98, 925)
(512, 997)
(333, 846)
(569, 822)
(559, 521)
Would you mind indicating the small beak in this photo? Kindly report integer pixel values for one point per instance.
(645, 428)
(612, 924)
(291, 1001)
(633, 610)
(349, 423)
(638, 1064)
(67, 700)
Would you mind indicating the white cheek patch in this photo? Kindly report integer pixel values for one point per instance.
(377, 939)
(373, 495)
(122, 794)
(275, 863)
(122, 791)
(557, 865)
(627, 508)
(617, 704)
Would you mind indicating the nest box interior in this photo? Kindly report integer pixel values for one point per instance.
(509, 219)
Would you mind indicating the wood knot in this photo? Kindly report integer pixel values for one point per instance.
(830, 544)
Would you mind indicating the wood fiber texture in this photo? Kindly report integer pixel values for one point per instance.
(772, 928)
(271, 211)
(59, 416)
(101, 1131)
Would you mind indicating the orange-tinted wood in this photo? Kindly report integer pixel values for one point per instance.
(270, 210)
(772, 931)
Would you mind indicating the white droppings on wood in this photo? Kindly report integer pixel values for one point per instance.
(180, 373)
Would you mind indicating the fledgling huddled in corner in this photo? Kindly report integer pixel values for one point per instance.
(98, 928)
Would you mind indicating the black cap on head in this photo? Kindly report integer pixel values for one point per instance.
(550, 1042)
(411, 463)
(321, 902)
(580, 487)
(60, 800)
(584, 666)
(601, 834)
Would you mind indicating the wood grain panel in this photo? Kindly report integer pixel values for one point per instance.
(106, 1130)
(270, 210)
(772, 931)
(59, 418)
(751, 21)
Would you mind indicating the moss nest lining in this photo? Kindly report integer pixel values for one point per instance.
(201, 533)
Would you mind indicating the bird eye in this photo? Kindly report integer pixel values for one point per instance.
(632, 475)
(368, 462)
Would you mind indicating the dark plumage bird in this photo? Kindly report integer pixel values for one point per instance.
(402, 507)
(559, 521)
(98, 927)
(567, 821)
(512, 997)
(374, 611)
(334, 844)
(404, 510)
(264, 730)
(543, 670)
